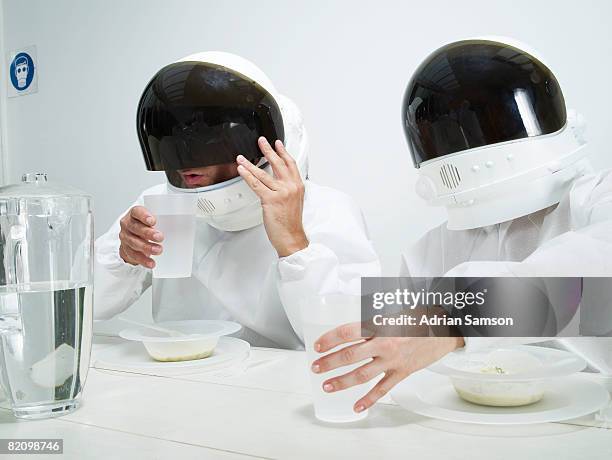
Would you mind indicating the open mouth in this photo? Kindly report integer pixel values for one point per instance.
(192, 179)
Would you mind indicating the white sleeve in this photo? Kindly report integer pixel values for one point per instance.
(338, 255)
(117, 284)
(473, 344)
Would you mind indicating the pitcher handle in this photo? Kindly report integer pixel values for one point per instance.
(16, 274)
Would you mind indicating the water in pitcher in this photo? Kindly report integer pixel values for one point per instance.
(45, 346)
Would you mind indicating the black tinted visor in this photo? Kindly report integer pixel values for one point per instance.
(476, 93)
(195, 114)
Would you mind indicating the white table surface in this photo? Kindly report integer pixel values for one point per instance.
(266, 412)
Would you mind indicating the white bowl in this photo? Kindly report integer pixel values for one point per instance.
(499, 394)
(199, 342)
(506, 377)
(185, 350)
(501, 362)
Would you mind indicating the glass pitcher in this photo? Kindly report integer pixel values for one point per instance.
(46, 276)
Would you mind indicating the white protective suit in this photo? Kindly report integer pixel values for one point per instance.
(573, 238)
(238, 276)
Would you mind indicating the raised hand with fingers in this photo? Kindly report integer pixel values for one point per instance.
(395, 357)
(281, 195)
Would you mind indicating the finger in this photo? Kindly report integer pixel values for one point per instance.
(357, 376)
(348, 355)
(278, 165)
(383, 387)
(350, 332)
(141, 214)
(136, 257)
(143, 231)
(259, 173)
(140, 245)
(287, 159)
(260, 189)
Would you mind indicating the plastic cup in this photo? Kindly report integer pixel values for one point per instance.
(175, 215)
(320, 315)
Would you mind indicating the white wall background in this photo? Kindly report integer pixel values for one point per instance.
(346, 64)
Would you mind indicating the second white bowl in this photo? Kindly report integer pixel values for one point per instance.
(199, 341)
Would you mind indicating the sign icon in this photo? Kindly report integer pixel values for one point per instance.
(23, 72)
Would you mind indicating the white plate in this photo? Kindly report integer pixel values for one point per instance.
(555, 363)
(197, 329)
(132, 357)
(432, 395)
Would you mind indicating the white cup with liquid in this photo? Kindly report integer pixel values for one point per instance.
(320, 315)
(175, 219)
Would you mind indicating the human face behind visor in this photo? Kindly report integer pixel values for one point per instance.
(194, 118)
(203, 177)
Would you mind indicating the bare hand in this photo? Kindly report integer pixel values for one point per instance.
(139, 238)
(282, 197)
(396, 357)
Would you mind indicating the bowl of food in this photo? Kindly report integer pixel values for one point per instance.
(501, 392)
(506, 377)
(189, 340)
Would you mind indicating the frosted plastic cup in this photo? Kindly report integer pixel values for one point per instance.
(175, 215)
(320, 315)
